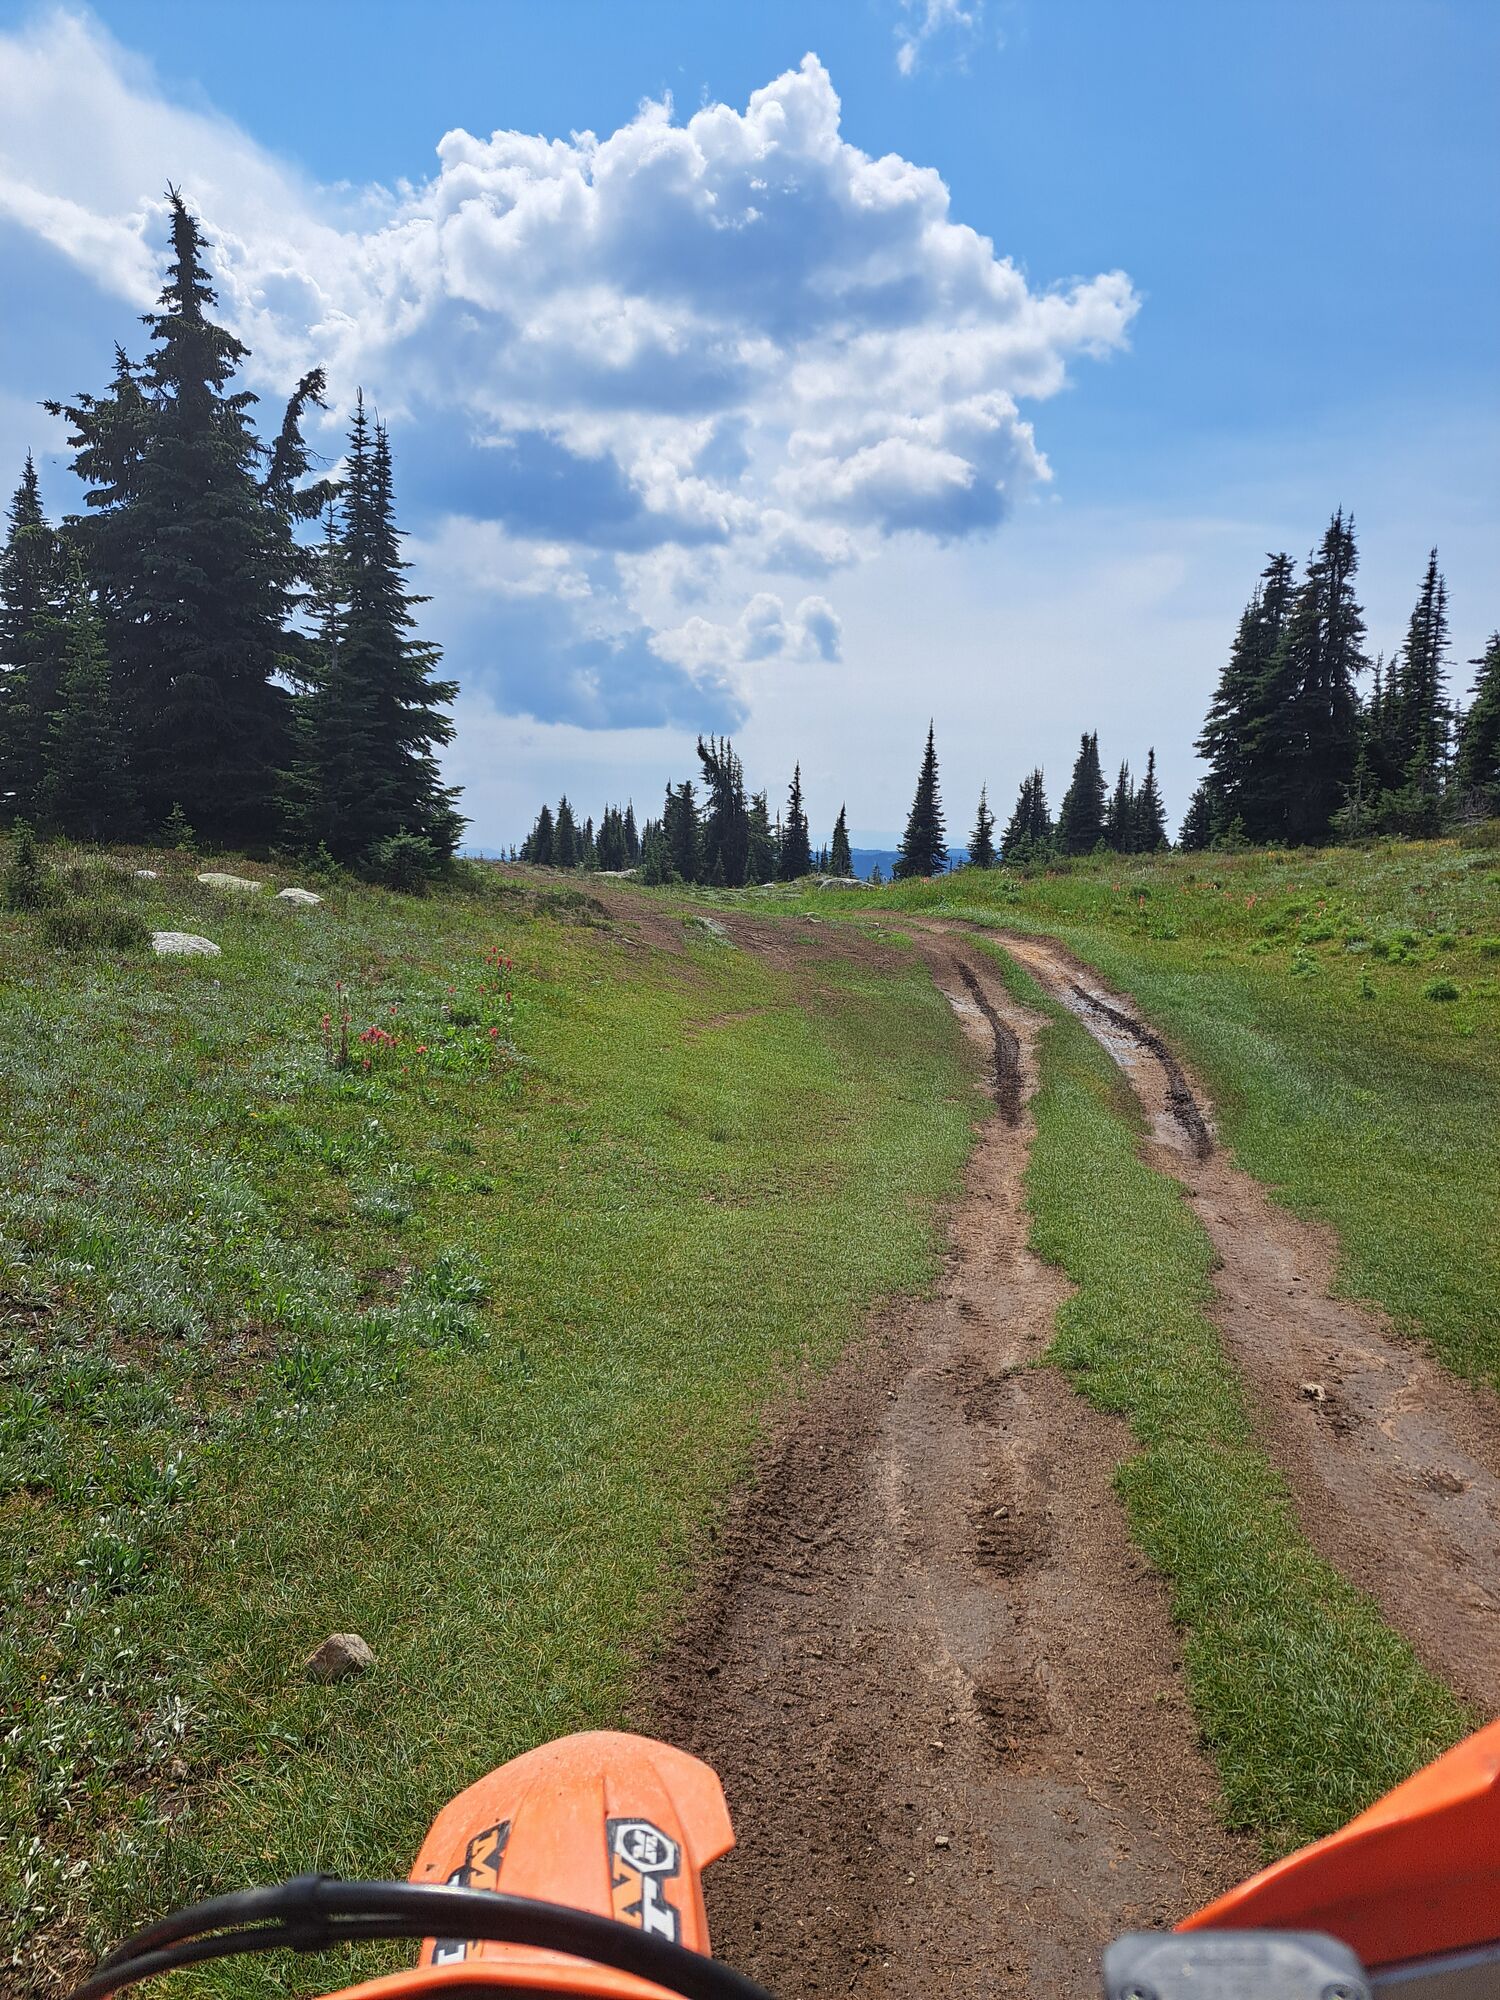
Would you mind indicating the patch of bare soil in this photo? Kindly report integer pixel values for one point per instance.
(1394, 1463)
(941, 1686)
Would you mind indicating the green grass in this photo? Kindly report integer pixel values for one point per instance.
(1312, 993)
(461, 1352)
(1310, 1705)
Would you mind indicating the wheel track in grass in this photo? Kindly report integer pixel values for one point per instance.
(941, 1685)
(1393, 1462)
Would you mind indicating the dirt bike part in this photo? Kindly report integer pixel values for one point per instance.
(570, 1951)
(1232, 1965)
(1416, 1874)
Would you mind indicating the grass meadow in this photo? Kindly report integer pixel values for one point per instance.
(458, 1346)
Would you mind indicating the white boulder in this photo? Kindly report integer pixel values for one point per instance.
(303, 898)
(145, 874)
(182, 944)
(214, 880)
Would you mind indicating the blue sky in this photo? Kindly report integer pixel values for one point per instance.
(969, 370)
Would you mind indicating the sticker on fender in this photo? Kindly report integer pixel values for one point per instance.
(642, 1860)
(480, 1870)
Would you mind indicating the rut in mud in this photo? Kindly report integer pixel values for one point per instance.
(1394, 1464)
(940, 1684)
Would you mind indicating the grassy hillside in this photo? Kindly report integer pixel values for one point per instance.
(455, 1346)
(1343, 1008)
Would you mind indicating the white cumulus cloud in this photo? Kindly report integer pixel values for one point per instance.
(634, 380)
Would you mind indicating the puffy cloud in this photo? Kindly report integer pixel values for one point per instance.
(691, 356)
(764, 630)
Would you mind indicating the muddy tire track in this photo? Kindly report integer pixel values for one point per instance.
(1394, 1463)
(941, 1685)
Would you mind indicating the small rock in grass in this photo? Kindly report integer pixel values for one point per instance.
(341, 1655)
(182, 944)
(214, 880)
(303, 898)
(1315, 1392)
(145, 875)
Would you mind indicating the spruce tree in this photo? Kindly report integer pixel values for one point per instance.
(795, 859)
(682, 833)
(1197, 829)
(632, 837)
(378, 709)
(1029, 832)
(191, 558)
(31, 647)
(1150, 813)
(564, 836)
(1304, 741)
(88, 791)
(1237, 710)
(1406, 732)
(761, 857)
(1476, 776)
(726, 816)
(1080, 817)
(840, 860)
(982, 839)
(1119, 816)
(924, 849)
(541, 840)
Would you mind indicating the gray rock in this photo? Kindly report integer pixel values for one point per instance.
(303, 898)
(182, 944)
(341, 1655)
(214, 880)
(841, 882)
(145, 875)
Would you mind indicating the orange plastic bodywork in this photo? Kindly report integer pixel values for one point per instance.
(567, 1824)
(1418, 1872)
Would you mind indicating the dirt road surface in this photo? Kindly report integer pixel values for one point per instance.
(1394, 1463)
(940, 1684)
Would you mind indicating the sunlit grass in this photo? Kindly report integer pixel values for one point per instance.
(460, 1352)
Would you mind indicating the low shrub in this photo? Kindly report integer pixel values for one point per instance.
(405, 861)
(95, 926)
(1440, 989)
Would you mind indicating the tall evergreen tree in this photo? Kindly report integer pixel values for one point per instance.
(726, 816)
(761, 855)
(632, 838)
(1236, 713)
(982, 839)
(924, 849)
(87, 789)
(1476, 777)
(682, 833)
(1304, 741)
(1029, 832)
(795, 858)
(31, 647)
(840, 860)
(564, 836)
(1119, 815)
(537, 847)
(191, 557)
(1197, 829)
(1150, 813)
(1407, 722)
(1080, 817)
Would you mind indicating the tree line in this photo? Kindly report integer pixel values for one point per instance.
(1298, 754)
(724, 836)
(190, 652)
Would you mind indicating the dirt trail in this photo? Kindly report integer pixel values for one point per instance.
(941, 1686)
(1394, 1463)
